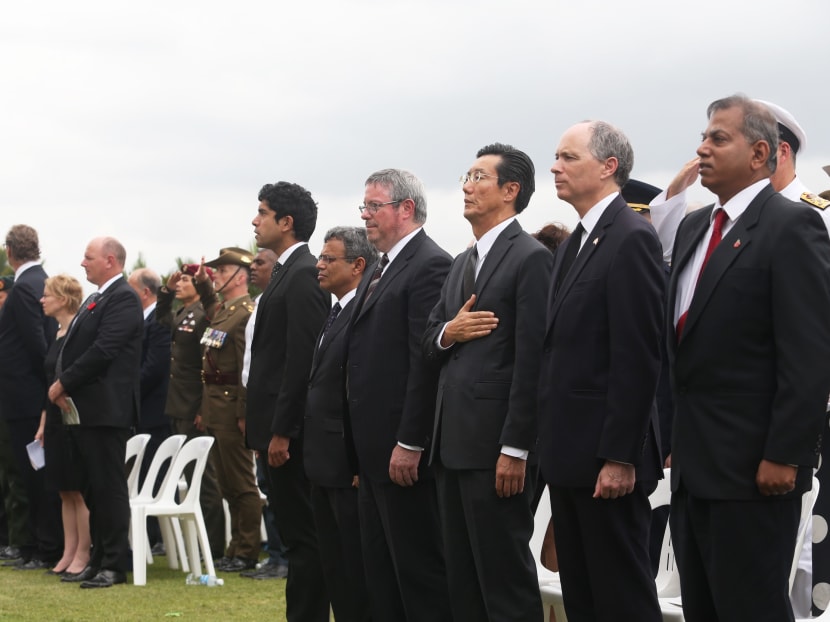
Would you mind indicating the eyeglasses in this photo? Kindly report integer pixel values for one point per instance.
(374, 207)
(474, 177)
(327, 259)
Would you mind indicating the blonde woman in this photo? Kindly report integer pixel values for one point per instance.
(62, 296)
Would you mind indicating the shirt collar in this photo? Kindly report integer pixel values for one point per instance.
(737, 205)
(287, 252)
(150, 308)
(396, 250)
(104, 287)
(24, 267)
(591, 218)
(347, 298)
(486, 241)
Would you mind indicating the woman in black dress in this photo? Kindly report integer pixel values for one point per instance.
(61, 299)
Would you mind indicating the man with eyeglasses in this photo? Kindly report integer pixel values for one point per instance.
(391, 401)
(486, 331)
(341, 265)
(290, 314)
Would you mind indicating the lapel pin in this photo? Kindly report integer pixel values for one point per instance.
(736, 244)
(596, 241)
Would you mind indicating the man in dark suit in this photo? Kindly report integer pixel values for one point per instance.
(391, 401)
(598, 419)
(748, 303)
(342, 263)
(25, 333)
(487, 331)
(98, 373)
(290, 313)
(155, 378)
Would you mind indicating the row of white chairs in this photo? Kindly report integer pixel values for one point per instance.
(179, 512)
(667, 579)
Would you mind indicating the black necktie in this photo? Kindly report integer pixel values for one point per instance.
(275, 269)
(335, 311)
(571, 251)
(468, 285)
(376, 276)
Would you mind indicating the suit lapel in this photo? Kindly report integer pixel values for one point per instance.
(497, 253)
(592, 243)
(392, 271)
(277, 278)
(337, 327)
(732, 245)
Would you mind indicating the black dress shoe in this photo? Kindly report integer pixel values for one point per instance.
(10, 553)
(237, 564)
(33, 564)
(219, 564)
(77, 577)
(105, 578)
(267, 571)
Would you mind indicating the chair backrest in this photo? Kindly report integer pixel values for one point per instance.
(808, 502)
(667, 580)
(168, 450)
(662, 494)
(136, 445)
(195, 450)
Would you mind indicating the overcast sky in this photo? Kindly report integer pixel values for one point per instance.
(158, 122)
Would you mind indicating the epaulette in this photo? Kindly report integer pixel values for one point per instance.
(815, 200)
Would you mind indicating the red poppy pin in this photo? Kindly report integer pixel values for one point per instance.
(736, 244)
(90, 306)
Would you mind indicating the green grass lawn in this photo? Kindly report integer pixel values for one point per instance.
(32, 595)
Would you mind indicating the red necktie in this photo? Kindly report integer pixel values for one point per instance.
(717, 235)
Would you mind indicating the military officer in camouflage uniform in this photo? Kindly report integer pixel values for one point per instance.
(184, 395)
(223, 400)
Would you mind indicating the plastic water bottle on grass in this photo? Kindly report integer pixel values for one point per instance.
(205, 579)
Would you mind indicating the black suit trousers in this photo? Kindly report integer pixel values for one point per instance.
(734, 557)
(289, 496)
(403, 551)
(338, 535)
(602, 547)
(104, 485)
(44, 502)
(490, 568)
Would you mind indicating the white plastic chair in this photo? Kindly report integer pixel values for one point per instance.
(166, 452)
(667, 580)
(808, 502)
(549, 585)
(170, 531)
(136, 445)
(188, 511)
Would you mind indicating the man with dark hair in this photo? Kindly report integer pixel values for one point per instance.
(391, 403)
(224, 400)
(25, 334)
(98, 373)
(341, 264)
(600, 363)
(749, 343)
(290, 313)
(487, 331)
